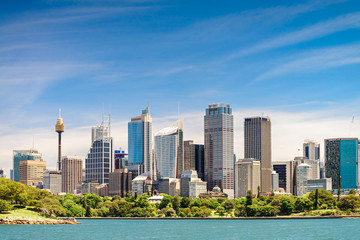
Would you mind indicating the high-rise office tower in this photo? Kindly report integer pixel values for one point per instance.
(2, 174)
(341, 162)
(194, 157)
(311, 151)
(99, 161)
(22, 155)
(189, 162)
(219, 147)
(257, 134)
(71, 173)
(59, 128)
(140, 143)
(169, 151)
(247, 176)
(31, 172)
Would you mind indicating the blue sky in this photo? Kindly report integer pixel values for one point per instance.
(297, 61)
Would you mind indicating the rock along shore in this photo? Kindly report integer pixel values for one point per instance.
(30, 221)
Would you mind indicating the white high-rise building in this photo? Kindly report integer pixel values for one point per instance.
(169, 150)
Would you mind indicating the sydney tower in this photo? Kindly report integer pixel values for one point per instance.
(59, 128)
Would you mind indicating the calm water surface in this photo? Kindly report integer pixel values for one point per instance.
(189, 229)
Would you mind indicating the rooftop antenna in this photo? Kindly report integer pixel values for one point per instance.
(102, 115)
(147, 107)
(351, 125)
(59, 112)
(33, 142)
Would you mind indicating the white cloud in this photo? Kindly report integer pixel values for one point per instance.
(316, 60)
(321, 29)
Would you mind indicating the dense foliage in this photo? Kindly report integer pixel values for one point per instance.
(318, 202)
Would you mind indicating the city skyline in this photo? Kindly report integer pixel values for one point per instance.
(296, 62)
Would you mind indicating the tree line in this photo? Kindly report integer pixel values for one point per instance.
(318, 202)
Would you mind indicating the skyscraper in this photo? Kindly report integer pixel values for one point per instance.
(194, 157)
(303, 174)
(140, 143)
(99, 160)
(257, 134)
(169, 151)
(71, 173)
(341, 159)
(219, 147)
(311, 151)
(21, 155)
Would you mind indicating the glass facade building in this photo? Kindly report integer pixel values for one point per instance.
(169, 151)
(341, 156)
(219, 147)
(99, 161)
(140, 142)
(20, 155)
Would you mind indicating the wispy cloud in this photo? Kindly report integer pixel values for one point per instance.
(321, 29)
(317, 60)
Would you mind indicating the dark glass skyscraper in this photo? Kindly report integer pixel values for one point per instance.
(219, 147)
(341, 156)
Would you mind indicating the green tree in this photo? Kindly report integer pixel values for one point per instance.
(4, 205)
(339, 194)
(185, 202)
(349, 202)
(220, 211)
(120, 208)
(176, 204)
(316, 200)
(325, 198)
(165, 201)
(228, 205)
(287, 206)
(90, 199)
(258, 191)
(195, 203)
(249, 198)
(214, 204)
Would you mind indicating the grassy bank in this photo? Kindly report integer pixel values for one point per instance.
(21, 213)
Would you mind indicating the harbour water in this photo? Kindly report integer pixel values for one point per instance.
(189, 229)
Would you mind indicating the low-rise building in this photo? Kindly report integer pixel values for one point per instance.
(324, 183)
(52, 181)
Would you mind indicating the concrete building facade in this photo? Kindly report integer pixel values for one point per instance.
(120, 182)
(72, 168)
(52, 181)
(257, 142)
(32, 172)
(247, 176)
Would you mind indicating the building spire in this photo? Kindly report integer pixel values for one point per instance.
(59, 112)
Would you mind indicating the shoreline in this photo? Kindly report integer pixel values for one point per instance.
(31, 221)
(225, 218)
